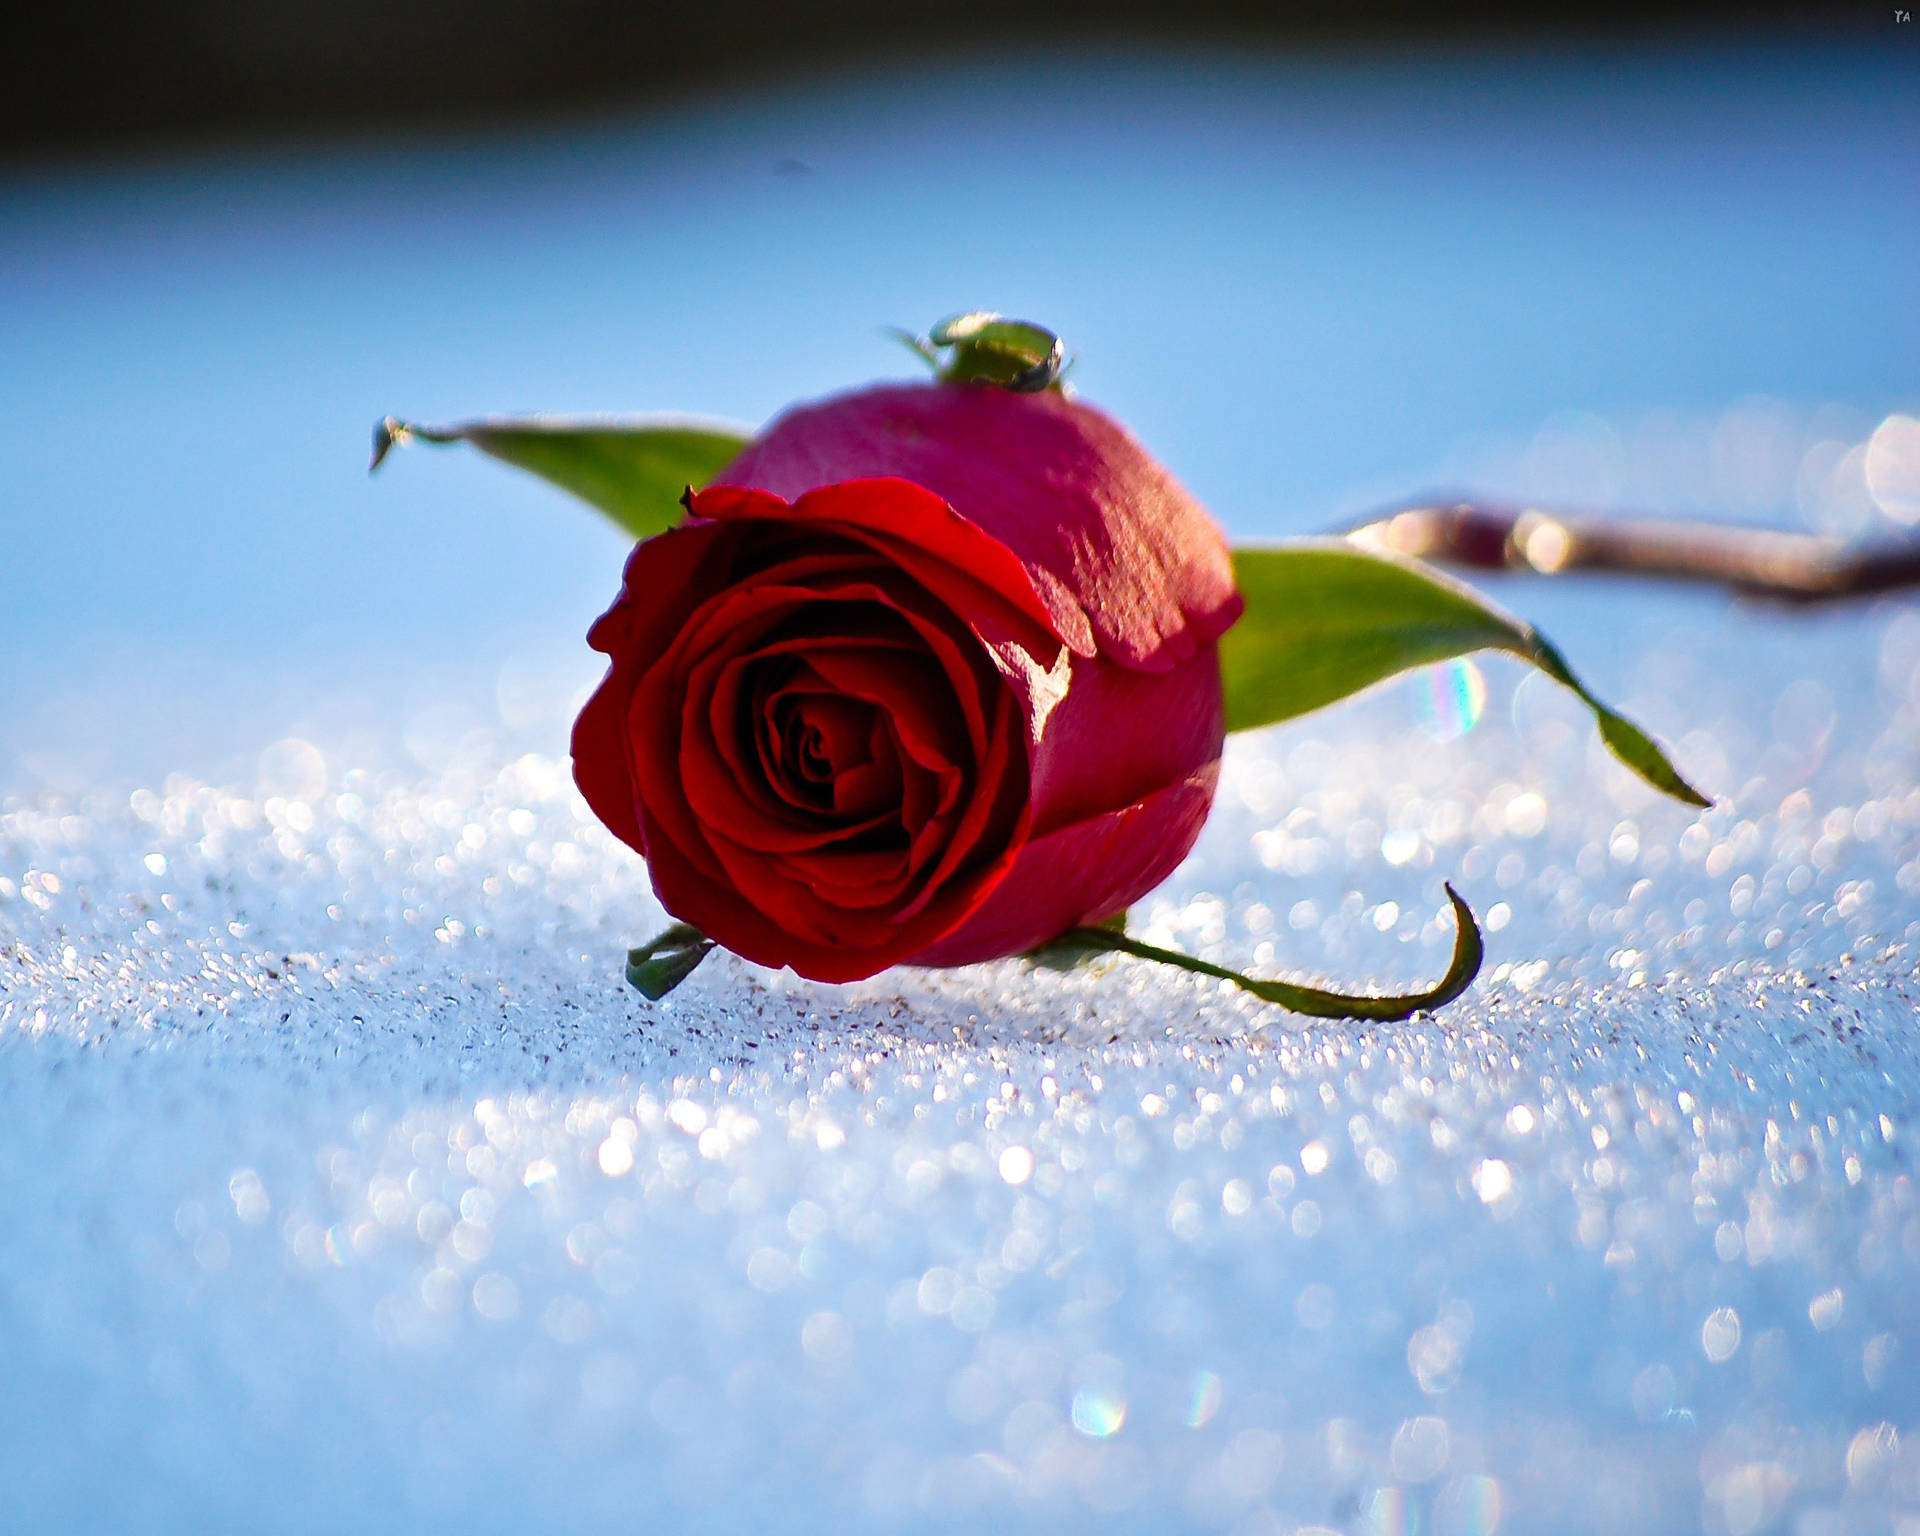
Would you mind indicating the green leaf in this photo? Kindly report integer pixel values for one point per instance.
(632, 468)
(1325, 620)
(657, 968)
(1315, 1001)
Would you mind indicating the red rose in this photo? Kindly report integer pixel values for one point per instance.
(928, 676)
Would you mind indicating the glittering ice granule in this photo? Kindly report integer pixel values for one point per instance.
(346, 1187)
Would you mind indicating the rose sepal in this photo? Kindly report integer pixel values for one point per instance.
(657, 967)
(981, 347)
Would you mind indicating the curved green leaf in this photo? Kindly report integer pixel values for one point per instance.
(1325, 620)
(633, 468)
(1468, 951)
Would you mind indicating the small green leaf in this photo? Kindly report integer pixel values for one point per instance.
(1468, 951)
(632, 468)
(657, 968)
(1325, 620)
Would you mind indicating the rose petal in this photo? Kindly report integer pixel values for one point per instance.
(877, 784)
(819, 615)
(1083, 873)
(972, 669)
(854, 878)
(912, 691)
(661, 586)
(1123, 558)
(999, 813)
(1119, 735)
(942, 550)
(666, 578)
(603, 760)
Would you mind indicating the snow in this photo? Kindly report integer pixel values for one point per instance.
(348, 1187)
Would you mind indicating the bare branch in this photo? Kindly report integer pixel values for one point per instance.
(1757, 562)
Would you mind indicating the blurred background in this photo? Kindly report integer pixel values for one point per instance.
(1319, 258)
(113, 73)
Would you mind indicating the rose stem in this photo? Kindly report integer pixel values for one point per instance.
(1468, 951)
(1756, 562)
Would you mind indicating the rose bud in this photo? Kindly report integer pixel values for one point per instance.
(928, 676)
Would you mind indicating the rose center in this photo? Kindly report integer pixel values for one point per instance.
(823, 738)
(822, 752)
(814, 762)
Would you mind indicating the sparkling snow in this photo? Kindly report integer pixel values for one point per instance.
(347, 1186)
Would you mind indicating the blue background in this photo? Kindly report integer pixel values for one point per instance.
(1309, 285)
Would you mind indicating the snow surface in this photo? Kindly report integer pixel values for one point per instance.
(346, 1186)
